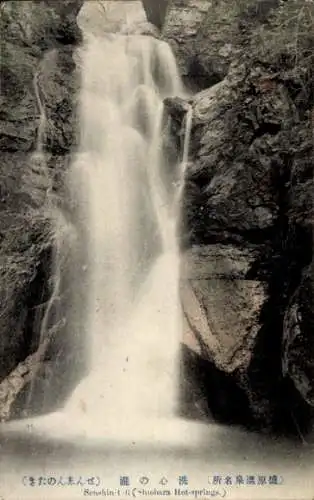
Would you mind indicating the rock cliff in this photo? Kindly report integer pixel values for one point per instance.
(156, 11)
(38, 133)
(247, 274)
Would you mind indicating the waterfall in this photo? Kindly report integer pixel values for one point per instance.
(187, 136)
(49, 319)
(185, 156)
(129, 217)
(41, 133)
(116, 274)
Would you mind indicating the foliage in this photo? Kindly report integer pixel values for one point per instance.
(288, 35)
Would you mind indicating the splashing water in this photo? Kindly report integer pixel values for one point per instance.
(133, 315)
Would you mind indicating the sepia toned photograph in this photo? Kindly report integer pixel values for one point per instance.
(156, 249)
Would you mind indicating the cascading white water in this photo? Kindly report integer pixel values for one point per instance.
(131, 282)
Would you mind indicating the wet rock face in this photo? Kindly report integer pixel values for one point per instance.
(190, 14)
(218, 32)
(30, 31)
(247, 210)
(156, 11)
(298, 346)
(39, 81)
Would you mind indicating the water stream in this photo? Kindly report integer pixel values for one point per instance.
(133, 315)
(124, 262)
